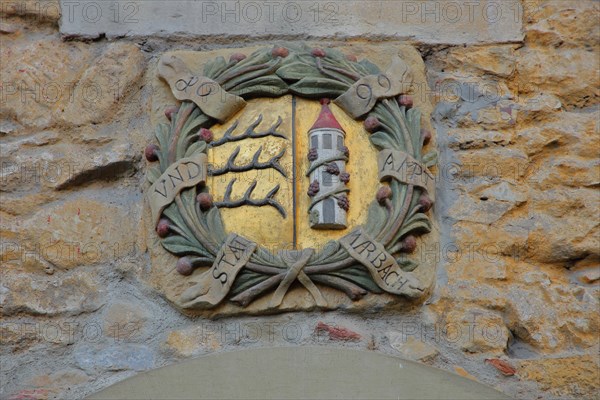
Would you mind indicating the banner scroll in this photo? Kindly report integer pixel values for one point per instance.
(384, 269)
(364, 93)
(214, 284)
(182, 174)
(404, 168)
(212, 99)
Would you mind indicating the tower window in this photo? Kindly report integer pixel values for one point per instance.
(314, 142)
(328, 210)
(326, 178)
(327, 141)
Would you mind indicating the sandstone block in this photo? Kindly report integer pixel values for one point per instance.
(440, 23)
(111, 77)
(412, 348)
(71, 294)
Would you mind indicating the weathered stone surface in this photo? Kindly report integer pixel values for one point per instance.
(36, 163)
(576, 133)
(561, 23)
(8, 28)
(59, 382)
(68, 234)
(458, 24)
(24, 332)
(488, 201)
(550, 241)
(591, 276)
(481, 211)
(477, 331)
(114, 357)
(39, 10)
(476, 240)
(192, 341)
(477, 138)
(549, 316)
(538, 106)
(38, 77)
(492, 163)
(11, 334)
(112, 76)
(554, 72)
(125, 320)
(69, 294)
(551, 328)
(15, 204)
(52, 82)
(494, 60)
(568, 171)
(574, 377)
(504, 191)
(412, 348)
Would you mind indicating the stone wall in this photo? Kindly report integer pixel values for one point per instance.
(518, 262)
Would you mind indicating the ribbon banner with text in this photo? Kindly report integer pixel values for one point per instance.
(364, 93)
(182, 174)
(404, 168)
(207, 94)
(214, 284)
(384, 269)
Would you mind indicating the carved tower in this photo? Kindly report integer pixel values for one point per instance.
(327, 172)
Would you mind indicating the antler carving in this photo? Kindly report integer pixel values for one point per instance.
(268, 200)
(249, 133)
(254, 164)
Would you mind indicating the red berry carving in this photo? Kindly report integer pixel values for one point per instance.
(205, 200)
(163, 228)
(372, 124)
(184, 266)
(151, 152)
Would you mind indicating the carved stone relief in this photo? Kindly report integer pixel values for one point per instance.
(254, 175)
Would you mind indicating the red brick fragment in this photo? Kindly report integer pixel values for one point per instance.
(502, 366)
(337, 333)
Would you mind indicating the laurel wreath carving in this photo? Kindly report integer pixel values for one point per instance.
(197, 234)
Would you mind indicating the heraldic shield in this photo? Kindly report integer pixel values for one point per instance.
(291, 178)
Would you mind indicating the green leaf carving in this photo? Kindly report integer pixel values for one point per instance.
(318, 87)
(153, 174)
(369, 66)
(258, 57)
(413, 118)
(264, 86)
(213, 68)
(298, 70)
(196, 147)
(418, 223)
(381, 140)
(178, 245)
(376, 218)
(359, 276)
(245, 280)
(215, 224)
(406, 264)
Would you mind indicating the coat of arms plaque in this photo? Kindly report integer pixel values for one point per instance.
(290, 178)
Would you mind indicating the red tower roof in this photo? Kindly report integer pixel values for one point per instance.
(326, 119)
